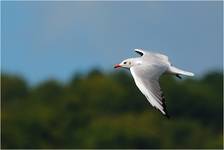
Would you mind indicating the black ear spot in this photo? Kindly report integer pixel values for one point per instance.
(129, 63)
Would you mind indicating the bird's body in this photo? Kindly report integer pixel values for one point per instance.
(146, 71)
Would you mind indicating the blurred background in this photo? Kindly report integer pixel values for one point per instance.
(59, 89)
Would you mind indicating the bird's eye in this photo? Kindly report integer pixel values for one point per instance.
(125, 62)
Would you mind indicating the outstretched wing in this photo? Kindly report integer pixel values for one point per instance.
(152, 55)
(146, 78)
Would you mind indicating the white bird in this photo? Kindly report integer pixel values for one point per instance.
(146, 71)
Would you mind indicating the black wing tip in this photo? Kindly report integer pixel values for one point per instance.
(167, 115)
(164, 107)
(139, 52)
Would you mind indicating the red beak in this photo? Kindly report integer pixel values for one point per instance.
(117, 66)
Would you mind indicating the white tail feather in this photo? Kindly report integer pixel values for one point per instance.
(174, 70)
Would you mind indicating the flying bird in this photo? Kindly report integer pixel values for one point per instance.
(146, 71)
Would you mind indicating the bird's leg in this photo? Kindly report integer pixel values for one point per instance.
(178, 76)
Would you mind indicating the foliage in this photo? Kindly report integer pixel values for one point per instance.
(100, 110)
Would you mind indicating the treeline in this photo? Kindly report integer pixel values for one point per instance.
(106, 110)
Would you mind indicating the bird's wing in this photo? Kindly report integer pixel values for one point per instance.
(151, 55)
(141, 52)
(146, 78)
(162, 56)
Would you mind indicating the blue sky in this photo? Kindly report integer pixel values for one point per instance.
(42, 40)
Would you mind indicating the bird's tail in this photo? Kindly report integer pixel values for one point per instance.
(174, 70)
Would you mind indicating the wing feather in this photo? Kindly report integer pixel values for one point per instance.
(152, 55)
(146, 78)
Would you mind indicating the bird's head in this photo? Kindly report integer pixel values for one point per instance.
(127, 63)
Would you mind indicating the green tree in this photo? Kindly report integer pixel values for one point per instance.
(106, 110)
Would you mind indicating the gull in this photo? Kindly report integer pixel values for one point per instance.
(146, 71)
